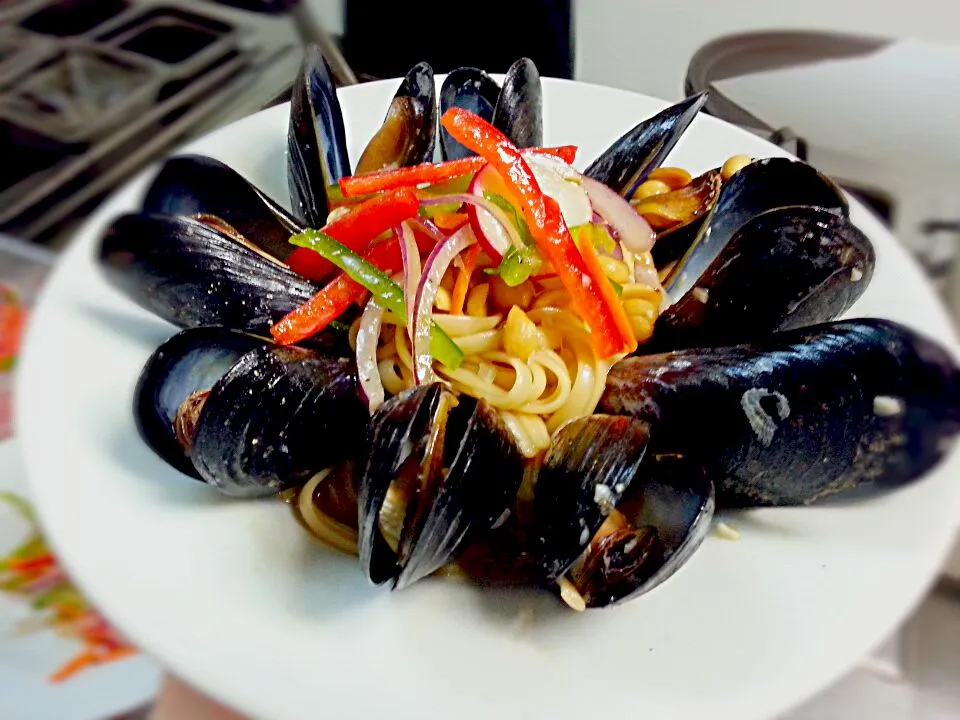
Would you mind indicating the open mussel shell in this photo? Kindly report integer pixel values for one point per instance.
(190, 362)
(440, 470)
(626, 163)
(791, 418)
(516, 109)
(317, 155)
(519, 110)
(684, 212)
(783, 269)
(252, 418)
(680, 206)
(203, 187)
(586, 470)
(661, 521)
(408, 134)
(192, 274)
(762, 185)
(611, 519)
(468, 88)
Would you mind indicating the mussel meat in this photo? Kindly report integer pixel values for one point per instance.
(245, 416)
(408, 133)
(678, 216)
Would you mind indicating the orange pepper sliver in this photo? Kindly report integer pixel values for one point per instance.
(462, 284)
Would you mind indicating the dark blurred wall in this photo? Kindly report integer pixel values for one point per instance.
(385, 39)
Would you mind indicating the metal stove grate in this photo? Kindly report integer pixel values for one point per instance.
(93, 90)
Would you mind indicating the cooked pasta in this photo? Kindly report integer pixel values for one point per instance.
(536, 365)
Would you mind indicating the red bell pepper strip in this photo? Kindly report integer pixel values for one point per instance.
(608, 322)
(567, 153)
(357, 229)
(432, 173)
(334, 299)
(17, 565)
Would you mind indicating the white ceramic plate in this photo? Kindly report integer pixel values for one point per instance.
(236, 598)
(27, 660)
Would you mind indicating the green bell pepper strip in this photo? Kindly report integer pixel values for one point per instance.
(387, 292)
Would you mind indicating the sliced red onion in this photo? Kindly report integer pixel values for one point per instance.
(633, 231)
(499, 215)
(411, 269)
(434, 269)
(617, 253)
(428, 228)
(368, 337)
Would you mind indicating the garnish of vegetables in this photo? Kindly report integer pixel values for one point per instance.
(357, 228)
(431, 173)
(333, 300)
(579, 270)
(387, 293)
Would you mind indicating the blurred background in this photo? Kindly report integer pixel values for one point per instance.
(92, 91)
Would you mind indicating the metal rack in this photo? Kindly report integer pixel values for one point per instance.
(93, 90)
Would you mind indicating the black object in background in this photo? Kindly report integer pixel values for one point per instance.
(385, 39)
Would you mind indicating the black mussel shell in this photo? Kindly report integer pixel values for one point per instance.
(408, 134)
(783, 269)
(586, 470)
(190, 362)
(692, 204)
(827, 410)
(762, 185)
(626, 163)
(457, 467)
(191, 274)
(277, 417)
(519, 110)
(200, 186)
(317, 155)
(667, 513)
(471, 89)
(673, 244)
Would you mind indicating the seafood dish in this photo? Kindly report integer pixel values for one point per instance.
(461, 355)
